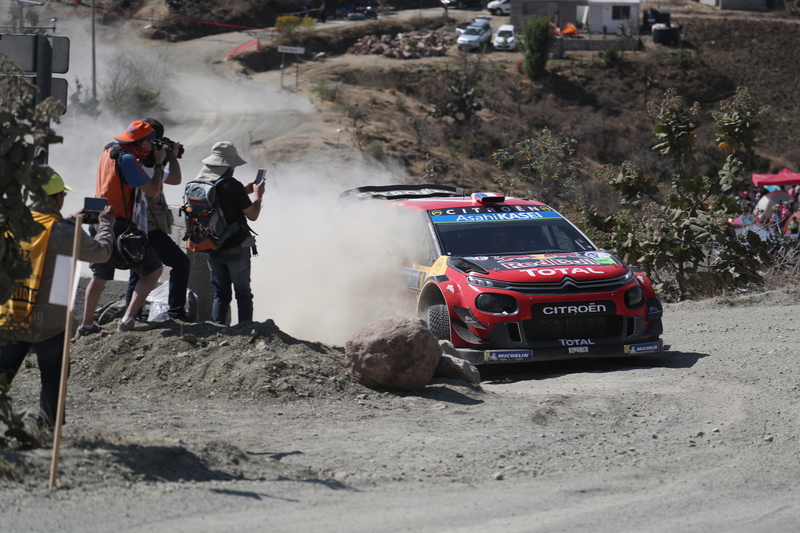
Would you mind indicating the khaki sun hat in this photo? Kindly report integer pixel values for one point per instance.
(224, 153)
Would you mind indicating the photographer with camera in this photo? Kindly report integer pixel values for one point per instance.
(120, 176)
(43, 322)
(160, 220)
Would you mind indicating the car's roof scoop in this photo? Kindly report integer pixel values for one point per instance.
(487, 198)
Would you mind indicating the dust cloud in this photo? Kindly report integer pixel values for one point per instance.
(325, 269)
(322, 271)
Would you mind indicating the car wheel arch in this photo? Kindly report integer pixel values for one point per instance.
(431, 295)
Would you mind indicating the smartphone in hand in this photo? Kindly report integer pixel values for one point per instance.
(260, 176)
(92, 208)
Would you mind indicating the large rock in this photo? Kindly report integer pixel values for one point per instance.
(392, 353)
(453, 367)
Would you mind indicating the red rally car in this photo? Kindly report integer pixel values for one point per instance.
(511, 280)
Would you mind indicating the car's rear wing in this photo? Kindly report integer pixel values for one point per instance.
(401, 192)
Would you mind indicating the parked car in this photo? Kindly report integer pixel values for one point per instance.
(475, 36)
(461, 27)
(461, 4)
(464, 25)
(499, 7)
(510, 279)
(505, 38)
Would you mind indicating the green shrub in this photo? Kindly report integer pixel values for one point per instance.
(375, 149)
(536, 41)
(325, 91)
(683, 224)
(25, 133)
(611, 56)
(294, 23)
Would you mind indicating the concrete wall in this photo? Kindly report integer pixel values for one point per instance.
(563, 45)
(738, 5)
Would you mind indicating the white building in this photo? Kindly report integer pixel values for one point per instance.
(612, 14)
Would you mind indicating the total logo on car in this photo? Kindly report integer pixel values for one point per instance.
(509, 279)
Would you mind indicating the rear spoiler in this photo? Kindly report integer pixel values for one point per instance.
(401, 192)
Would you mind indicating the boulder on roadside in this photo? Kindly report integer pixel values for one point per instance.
(393, 353)
(453, 367)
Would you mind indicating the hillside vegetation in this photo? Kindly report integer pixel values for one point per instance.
(600, 104)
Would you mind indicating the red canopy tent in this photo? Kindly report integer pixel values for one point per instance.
(784, 177)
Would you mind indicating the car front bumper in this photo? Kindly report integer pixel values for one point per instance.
(499, 356)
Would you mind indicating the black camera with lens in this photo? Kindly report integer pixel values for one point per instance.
(169, 145)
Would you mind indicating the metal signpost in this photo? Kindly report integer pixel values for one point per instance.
(297, 51)
(40, 56)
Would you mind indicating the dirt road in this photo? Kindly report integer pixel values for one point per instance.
(252, 430)
(704, 438)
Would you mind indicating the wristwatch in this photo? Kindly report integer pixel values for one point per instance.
(158, 165)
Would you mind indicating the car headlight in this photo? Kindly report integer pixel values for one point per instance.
(634, 297)
(486, 282)
(491, 302)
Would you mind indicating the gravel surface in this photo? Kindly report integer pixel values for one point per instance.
(703, 438)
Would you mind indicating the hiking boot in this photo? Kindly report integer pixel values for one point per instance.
(135, 325)
(84, 331)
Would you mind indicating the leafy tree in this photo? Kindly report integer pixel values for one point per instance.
(545, 165)
(24, 131)
(682, 238)
(537, 40)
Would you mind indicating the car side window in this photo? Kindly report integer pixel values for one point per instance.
(413, 240)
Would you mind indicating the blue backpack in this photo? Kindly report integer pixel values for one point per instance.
(206, 227)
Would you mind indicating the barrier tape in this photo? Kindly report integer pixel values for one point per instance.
(233, 52)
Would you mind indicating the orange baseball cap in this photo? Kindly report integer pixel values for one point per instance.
(137, 131)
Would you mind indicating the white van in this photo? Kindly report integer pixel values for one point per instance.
(499, 7)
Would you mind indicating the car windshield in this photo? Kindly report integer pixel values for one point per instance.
(505, 33)
(472, 30)
(482, 236)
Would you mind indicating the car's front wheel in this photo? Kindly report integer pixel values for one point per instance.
(439, 322)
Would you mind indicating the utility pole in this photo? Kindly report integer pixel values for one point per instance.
(94, 65)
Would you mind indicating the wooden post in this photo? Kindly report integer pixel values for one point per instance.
(62, 389)
(283, 61)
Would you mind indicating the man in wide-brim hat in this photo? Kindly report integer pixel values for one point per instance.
(229, 265)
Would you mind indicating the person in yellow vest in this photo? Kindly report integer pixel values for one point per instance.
(30, 320)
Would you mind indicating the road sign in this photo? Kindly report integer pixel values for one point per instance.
(21, 50)
(58, 89)
(292, 49)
